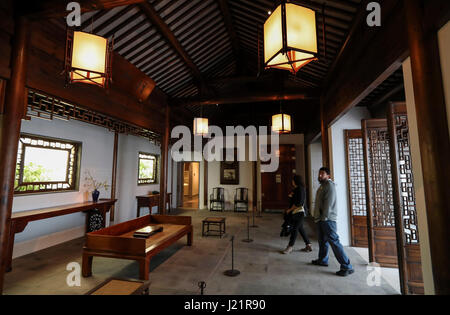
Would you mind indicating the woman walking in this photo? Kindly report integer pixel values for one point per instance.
(296, 214)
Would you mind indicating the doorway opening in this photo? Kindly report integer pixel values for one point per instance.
(191, 185)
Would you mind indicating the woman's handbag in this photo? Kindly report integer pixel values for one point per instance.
(286, 227)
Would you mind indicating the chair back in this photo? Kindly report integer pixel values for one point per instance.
(242, 194)
(218, 193)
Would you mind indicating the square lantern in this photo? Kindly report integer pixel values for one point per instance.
(201, 126)
(290, 37)
(88, 58)
(281, 123)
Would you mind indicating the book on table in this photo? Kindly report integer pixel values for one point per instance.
(148, 231)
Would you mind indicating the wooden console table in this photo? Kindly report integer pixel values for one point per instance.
(149, 201)
(19, 220)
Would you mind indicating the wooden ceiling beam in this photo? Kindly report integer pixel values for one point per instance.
(169, 36)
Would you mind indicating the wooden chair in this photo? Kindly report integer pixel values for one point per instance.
(217, 199)
(241, 200)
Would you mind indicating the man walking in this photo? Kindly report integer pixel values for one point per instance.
(325, 215)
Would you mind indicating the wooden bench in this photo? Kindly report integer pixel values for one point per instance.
(19, 220)
(118, 242)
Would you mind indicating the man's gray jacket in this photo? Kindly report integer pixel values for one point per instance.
(325, 207)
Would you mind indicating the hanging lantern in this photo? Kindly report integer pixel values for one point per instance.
(290, 37)
(200, 126)
(88, 58)
(281, 123)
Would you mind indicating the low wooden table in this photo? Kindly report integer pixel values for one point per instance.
(214, 221)
(115, 286)
(19, 220)
(117, 241)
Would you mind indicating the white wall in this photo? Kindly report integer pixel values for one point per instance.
(97, 153)
(127, 172)
(351, 120)
(314, 164)
(97, 156)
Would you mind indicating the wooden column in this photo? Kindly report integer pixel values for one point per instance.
(10, 122)
(164, 163)
(325, 140)
(205, 183)
(434, 138)
(114, 176)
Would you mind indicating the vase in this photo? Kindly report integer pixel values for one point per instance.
(95, 195)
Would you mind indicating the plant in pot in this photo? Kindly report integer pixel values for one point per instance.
(91, 183)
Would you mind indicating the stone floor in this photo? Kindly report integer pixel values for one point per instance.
(179, 268)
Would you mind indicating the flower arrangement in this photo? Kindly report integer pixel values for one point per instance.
(92, 183)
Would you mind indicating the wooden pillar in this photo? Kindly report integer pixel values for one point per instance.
(10, 121)
(205, 183)
(114, 176)
(434, 139)
(164, 163)
(325, 140)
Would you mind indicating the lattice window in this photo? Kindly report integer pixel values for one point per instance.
(49, 108)
(46, 165)
(407, 194)
(147, 168)
(356, 176)
(380, 178)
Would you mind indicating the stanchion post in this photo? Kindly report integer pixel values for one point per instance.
(248, 239)
(232, 272)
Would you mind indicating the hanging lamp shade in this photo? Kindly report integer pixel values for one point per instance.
(200, 126)
(281, 123)
(88, 58)
(290, 37)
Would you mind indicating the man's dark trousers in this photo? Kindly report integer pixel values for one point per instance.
(328, 235)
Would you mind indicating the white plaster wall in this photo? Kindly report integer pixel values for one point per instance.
(351, 120)
(127, 174)
(97, 150)
(314, 164)
(97, 156)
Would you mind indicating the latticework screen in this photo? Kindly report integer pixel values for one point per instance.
(356, 177)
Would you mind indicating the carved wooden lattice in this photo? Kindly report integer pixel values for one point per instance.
(380, 178)
(406, 180)
(356, 176)
(48, 107)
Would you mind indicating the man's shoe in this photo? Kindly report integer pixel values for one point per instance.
(319, 263)
(345, 273)
(288, 250)
(307, 249)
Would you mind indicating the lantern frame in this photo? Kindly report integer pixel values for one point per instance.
(283, 130)
(285, 50)
(88, 79)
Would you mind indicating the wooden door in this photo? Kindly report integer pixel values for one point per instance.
(356, 187)
(410, 265)
(277, 185)
(379, 195)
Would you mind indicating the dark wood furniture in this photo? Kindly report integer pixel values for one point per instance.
(241, 200)
(19, 220)
(151, 200)
(214, 221)
(118, 242)
(116, 286)
(379, 194)
(217, 199)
